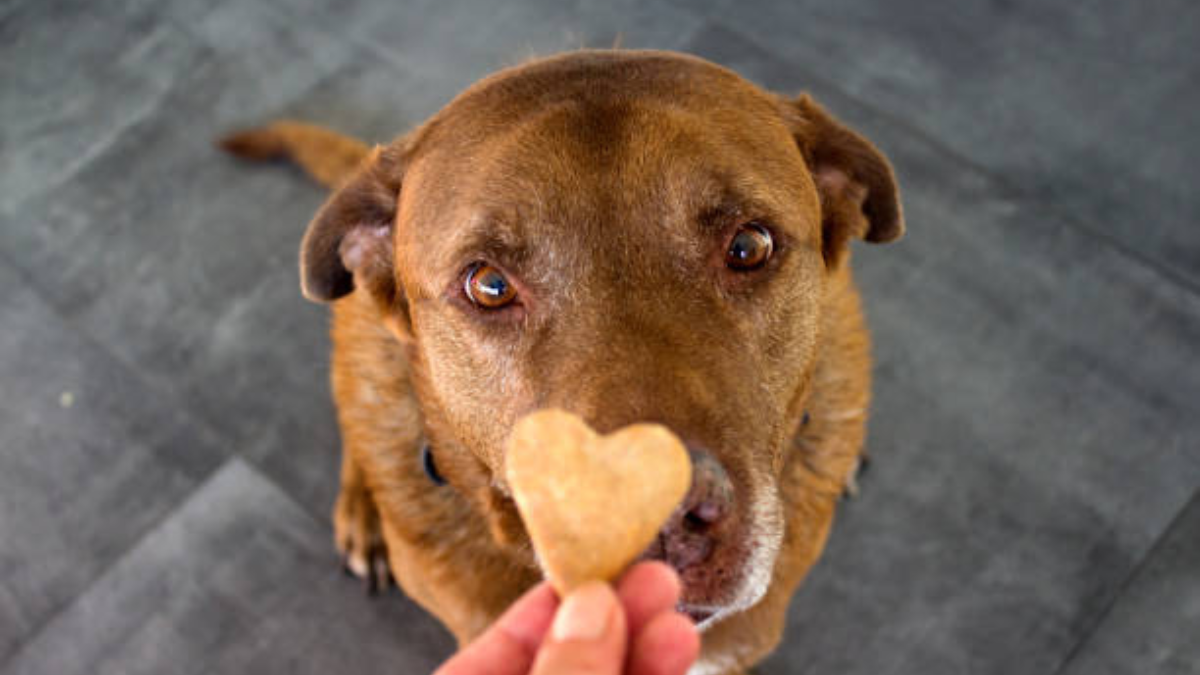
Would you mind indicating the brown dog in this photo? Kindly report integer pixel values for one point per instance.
(626, 235)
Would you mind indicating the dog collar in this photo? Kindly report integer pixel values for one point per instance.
(430, 467)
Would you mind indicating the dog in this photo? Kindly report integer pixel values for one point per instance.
(627, 235)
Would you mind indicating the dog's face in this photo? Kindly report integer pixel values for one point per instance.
(631, 237)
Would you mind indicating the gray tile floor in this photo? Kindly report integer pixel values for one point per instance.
(167, 447)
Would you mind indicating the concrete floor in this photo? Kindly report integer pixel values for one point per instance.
(168, 453)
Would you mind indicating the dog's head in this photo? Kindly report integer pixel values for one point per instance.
(631, 236)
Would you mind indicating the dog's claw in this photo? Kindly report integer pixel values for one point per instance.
(383, 573)
(378, 577)
(360, 541)
(852, 483)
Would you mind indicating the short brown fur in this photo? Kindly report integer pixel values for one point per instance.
(603, 182)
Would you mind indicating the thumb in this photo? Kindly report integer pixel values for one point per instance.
(587, 636)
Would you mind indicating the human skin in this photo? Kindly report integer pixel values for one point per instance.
(630, 629)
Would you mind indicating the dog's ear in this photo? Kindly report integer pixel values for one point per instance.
(349, 243)
(859, 196)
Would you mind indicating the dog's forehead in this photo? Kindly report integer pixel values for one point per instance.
(590, 105)
(636, 143)
(598, 76)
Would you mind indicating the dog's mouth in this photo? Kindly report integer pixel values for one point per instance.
(710, 592)
(722, 541)
(697, 613)
(715, 589)
(721, 573)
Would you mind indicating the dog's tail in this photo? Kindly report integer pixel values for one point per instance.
(327, 156)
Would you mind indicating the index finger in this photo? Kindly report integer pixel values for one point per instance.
(509, 645)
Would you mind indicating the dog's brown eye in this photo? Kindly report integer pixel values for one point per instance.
(487, 287)
(750, 248)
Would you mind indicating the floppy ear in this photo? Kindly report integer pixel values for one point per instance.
(348, 245)
(859, 197)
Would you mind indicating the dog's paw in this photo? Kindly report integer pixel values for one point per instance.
(359, 539)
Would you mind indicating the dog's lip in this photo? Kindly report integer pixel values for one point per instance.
(697, 613)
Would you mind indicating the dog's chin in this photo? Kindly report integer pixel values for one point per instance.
(708, 605)
(734, 579)
(700, 615)
(755, 579)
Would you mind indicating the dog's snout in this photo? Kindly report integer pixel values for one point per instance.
(689, 536)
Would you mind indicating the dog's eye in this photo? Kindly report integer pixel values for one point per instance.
(750, 248)
(487, 287)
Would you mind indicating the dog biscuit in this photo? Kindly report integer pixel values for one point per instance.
(592, 503)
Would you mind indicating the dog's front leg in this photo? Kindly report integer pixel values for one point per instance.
(356, 529)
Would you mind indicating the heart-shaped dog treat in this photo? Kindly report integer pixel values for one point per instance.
(592, 503)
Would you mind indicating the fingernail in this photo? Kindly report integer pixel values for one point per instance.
(585, 614)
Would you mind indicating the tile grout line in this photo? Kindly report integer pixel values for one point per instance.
(386, 56)
(1136, 257)
(214, 435)
(71, 169)
(210, 436)
(44, 624)
(205, 481)
(1102, 616)
(1166, 272)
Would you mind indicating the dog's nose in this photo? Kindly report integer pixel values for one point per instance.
(691, 532)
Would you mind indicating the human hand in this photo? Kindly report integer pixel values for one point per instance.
(633, 630)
